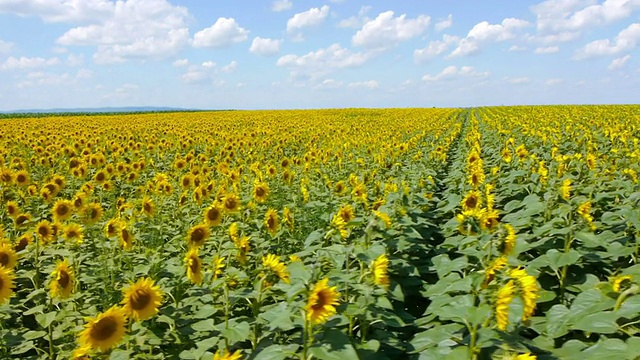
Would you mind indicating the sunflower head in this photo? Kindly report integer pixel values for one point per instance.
(22, 178)
(142, 299)
(62, 210)
(379, 269)
(322, 302)
(13, 209)
(62, 280)
(213, 215)
(126, 237)
(231, 203)
(272, 222)
(105, 330)
(148, 207)
(228, 355)
(471, 201)
(22, 219)
(8, 256)
(6, 284)
(260, 192)
(74, 232)
(197, 235)
(23, 241)
(277, 267)
(194, 266)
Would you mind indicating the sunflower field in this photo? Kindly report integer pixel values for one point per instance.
(484, 233)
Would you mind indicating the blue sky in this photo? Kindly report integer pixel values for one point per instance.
(286, 54)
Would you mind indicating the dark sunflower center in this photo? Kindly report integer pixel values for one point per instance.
(4, 259)
(213, 214)
(43, 231)
(194, 265)
(260, 192)
(147, 207)
(21, 219)
(125, 235)
(474, 178)
(22, 243)
(12, 210)
(111, 229)
(62, 210)
(104, 329)
(322, 301)
(471, 202)
(100, 176)
(197, 236)
(63, 279)
(271, 222)
(230, 203)
(140, 299)
(21, 178)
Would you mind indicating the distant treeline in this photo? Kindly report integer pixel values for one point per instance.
(91, 113)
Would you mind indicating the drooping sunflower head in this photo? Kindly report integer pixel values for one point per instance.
(231, 203)
(92, 213)
(148, 207)
(126, 237)
(272, 222)
(74, 232)
(218, 265)
(142, 299)
(112, 228)
(62, 280)
(273, 263)
(227, 355)
(22, 219)
(213, 215)
(23, 241)
(503, 298)
(105, 330)
(6, 284)
(379, 269)
(322, 302)
(8, 256)
(62, 210)
(197, 235)
(621, 282)
(194, 266)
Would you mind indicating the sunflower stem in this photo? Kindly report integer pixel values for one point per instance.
(50, 331)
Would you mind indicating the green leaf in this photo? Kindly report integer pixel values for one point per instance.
(603, 323)
(32, 335)
(589, 239)
(558, 259)
(443, 265)
(589, 302)
(203, 325)
(432, 337)
(277, 352)
(236, 331)
(335, 346)
(557, 318)
(609, 349)
(46, 319)
(118, 354)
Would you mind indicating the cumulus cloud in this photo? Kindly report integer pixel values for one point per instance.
(371, 84)
(65, 11)
(265, 46)
(517, 48)
(434, 48)
(305, 19)
(551, 82)
(281, 5)
(626, 40)
(328, 84)
(453, 72)
(444, 24)
(547, 50)
(223, 33)
(180, 63)
(484, 33)
(137, 29)
(386, 31)
(232, 66)
(356, 21)
(619, 63)
(323, 61)
(22, 63)
(564, 20)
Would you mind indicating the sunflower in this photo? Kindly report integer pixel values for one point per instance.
(260, 192)
(491, 270)
(22, 219)
(476, 177)
(273, 263)
(93, 213)
(213, 215)
(22, 178)
(287, 217)
(528, 291)
(346, 213)
(231, 202)
(23, 241)
(100, 177)
(8, 256)
(112, 228)
(621, 281)
(237, 355)
(194, 266)
(105, 330)
(44, 231)
(384, 217)
(6, 284)
(142, 299)
(243, 245)
(218, 266)
(62, 210)
(126, 237)
(565, 189)
(74, 232)
(234, 232)
(62, 280)
(379, 269)
(13, 209)
(6, 176)
(471, 201)
(322, 302)
(510, 240)
(197, 235)
(79, 200)
(148, 208)
(272, 222)
(503, 299)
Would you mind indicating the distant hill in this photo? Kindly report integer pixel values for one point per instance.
(95, 110)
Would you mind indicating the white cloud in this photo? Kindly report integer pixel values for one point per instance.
(619, 63)
(75, 60)
(516, 81)
(566, 19)
(223, 33)
(516, 48)
(484, 33)
(386, 31)
(5, 47)
(434, 48)
(356, 21)
(42, 78)
(626, 40)
(232, 66)
(371, 84)
(547, 50)
(328, 84)
(66, 11)
(311, 17)
(195, 76)
(137, 29)
(281, 5)
(323, 61)
(551, 82)
(452, 72)
(21, 63)
(444, 24)
(180, 63)
(209, 64)
(265, 46)
(84, 74)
